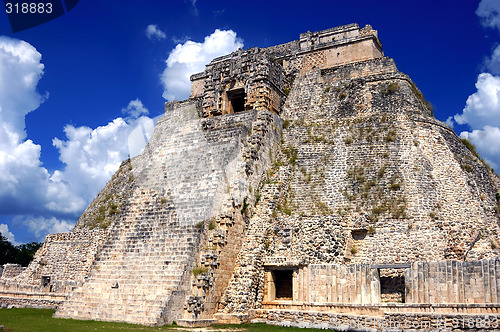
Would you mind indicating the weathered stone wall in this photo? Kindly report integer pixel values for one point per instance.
(356, 180)
(110, 204)
(348, 318)
(339, 284)
(454, 282)
(183, 219)
(30, 300)
(252, 71)
(64, 260)
(225, 233)
(11, 271)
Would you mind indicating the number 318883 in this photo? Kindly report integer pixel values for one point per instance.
(28, 8)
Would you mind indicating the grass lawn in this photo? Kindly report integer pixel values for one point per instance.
(40, 320)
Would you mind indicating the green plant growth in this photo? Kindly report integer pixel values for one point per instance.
(391, 136)
(211, 225)
(421, 98)
(286, 123)
(468, 144)
(390, 89)
(199, 270)
(291, 154)
(244, 206)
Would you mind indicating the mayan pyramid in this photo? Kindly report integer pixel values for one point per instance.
(301, 184)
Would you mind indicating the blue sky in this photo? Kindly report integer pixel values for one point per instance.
(73, 90)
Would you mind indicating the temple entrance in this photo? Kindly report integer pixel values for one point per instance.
(283, 281)
(236, 99)
(279, 285)
(392, 285)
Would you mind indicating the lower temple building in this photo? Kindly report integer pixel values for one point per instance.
(304, 184)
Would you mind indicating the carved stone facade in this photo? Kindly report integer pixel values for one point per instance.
(303, 184)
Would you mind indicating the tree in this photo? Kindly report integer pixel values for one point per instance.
(21, 254)
(8, 253)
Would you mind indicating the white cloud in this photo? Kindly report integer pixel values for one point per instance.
(449, 122)
(493, 63)
(482, 107)
(39, 227)
(489, 13)
(482, 114)
(20, 71)
(135, 109)
(191, 57)
(92, 156)
(487, 142)
(46, 202)
(4, 229)
(154, 32)
(22, 179)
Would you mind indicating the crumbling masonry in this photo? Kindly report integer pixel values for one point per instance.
(303, 184)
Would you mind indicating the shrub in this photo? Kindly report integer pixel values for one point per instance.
(390, 89)
(199, 270)
(286, 124)
(421, 98)
(211, 225)
(391, 136)
(468, 144)
(395, 186)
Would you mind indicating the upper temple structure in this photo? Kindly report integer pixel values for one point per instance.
(303, 184)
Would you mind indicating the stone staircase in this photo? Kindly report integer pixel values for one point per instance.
(140, 270)
(143, 272)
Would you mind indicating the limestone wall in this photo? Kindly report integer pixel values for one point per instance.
(64, 261)
(339, 284)
(364, 174)
(11, 270)
(454, 282)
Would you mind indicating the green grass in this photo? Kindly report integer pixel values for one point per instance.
(40, 320)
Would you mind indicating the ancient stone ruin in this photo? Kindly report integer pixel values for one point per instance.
(303, 184)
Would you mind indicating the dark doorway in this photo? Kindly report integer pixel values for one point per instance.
(45, 281)
(236, 100)
(392, 285)
(283, 282)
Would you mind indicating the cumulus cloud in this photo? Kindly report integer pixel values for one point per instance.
(489, 13)
(482, 109)
(486, 141)
(493, 63)
(92, 156)
(482, 114)
(4, 229)
(191, 57)
(44, 202)
(21, 176)
(153, 32)
(135, 109)
(483, 106)
(39, 227)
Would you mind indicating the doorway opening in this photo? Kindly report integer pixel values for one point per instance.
(392, 285)
(236, 100)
